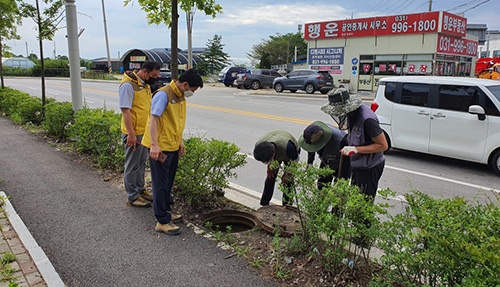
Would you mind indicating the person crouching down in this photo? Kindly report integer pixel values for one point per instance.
(282, 147)
(327, 141)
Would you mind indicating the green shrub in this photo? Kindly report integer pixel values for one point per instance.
(205, 168)
(10, 100)
(441, 242)
(58, 117)
(28, 111)
(98, 133)
(334, 216)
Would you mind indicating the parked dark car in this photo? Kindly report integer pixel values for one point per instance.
(228, 75)
(256, 79)
(164, 79)
(307, 80)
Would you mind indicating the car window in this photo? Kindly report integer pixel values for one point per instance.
(390, 91)
(415, 94)
(275, 74)
(490, 108)
(294, 73)
(225, 70)
(304, 73)
(265, 72)
(457, 98)
(495, 90)
(256, 72)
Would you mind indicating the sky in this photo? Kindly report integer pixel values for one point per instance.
(242, 24)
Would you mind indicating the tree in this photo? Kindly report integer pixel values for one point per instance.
(10, 18)
(46, 26)
(277, 50)
(165, 11)
(213, 59)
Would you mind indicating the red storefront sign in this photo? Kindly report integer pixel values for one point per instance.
(453, 24)
(387, 25)
(456, 46)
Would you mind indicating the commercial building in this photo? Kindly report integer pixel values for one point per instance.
(359, 52)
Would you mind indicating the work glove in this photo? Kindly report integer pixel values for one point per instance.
(348, 150)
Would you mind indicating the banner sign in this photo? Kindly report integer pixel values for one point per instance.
(417, 23)
(456, 46)
(326, 56)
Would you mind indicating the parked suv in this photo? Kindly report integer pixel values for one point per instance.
(307, 80)
(446, 116)
(257, 78)
(164, 79)
(228, 75)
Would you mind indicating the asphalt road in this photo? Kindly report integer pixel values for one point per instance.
(89, 234)
(242, 116)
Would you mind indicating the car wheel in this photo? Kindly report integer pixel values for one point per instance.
(309, 88)
(255, 85)
(227, 85)
(495, 162)
(324, 91)
(247, 87)
(293, 91)
(278, 87)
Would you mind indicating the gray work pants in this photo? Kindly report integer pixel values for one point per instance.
(135, 168)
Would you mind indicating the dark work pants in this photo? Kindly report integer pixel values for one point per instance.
(162, 177)
(367, 180)
(286, 180)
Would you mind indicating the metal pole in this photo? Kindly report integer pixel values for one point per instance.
(430, 5)
(107, 42)
(74, 55)
(189, 19)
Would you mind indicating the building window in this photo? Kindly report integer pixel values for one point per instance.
(496, 53)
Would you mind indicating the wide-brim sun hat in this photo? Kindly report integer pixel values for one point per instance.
(315, 136)
(340, 103)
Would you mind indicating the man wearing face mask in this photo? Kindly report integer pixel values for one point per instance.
(163, 137)
(135, 103)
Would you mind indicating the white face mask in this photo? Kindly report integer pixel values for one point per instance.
(188, 94)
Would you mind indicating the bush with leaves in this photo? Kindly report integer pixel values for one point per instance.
(58, 117)
(205, 168)
(29, 110)
(333, 216)
(10, 100)
(441, 242)
(98, 133)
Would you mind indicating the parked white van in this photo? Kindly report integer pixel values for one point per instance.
(446, 116)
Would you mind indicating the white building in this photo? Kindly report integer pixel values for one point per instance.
(361, 51)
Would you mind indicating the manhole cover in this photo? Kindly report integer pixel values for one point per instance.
(230, 220)
(270, 217)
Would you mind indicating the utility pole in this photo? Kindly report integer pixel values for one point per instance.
(110, 69)
(430, 5)
(189, 20)
(74, 55)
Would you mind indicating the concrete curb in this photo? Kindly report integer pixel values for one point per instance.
(41, 260)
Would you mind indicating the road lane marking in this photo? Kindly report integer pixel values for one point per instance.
(251, 114)
(444, 179)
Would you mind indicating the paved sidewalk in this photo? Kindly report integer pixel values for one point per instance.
(31, 266)
(88, 233)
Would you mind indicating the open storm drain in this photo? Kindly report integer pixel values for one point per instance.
(230, 221)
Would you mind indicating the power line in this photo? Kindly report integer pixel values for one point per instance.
(462, 5)
(476, 6)
(401, 10)
(378, 5)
